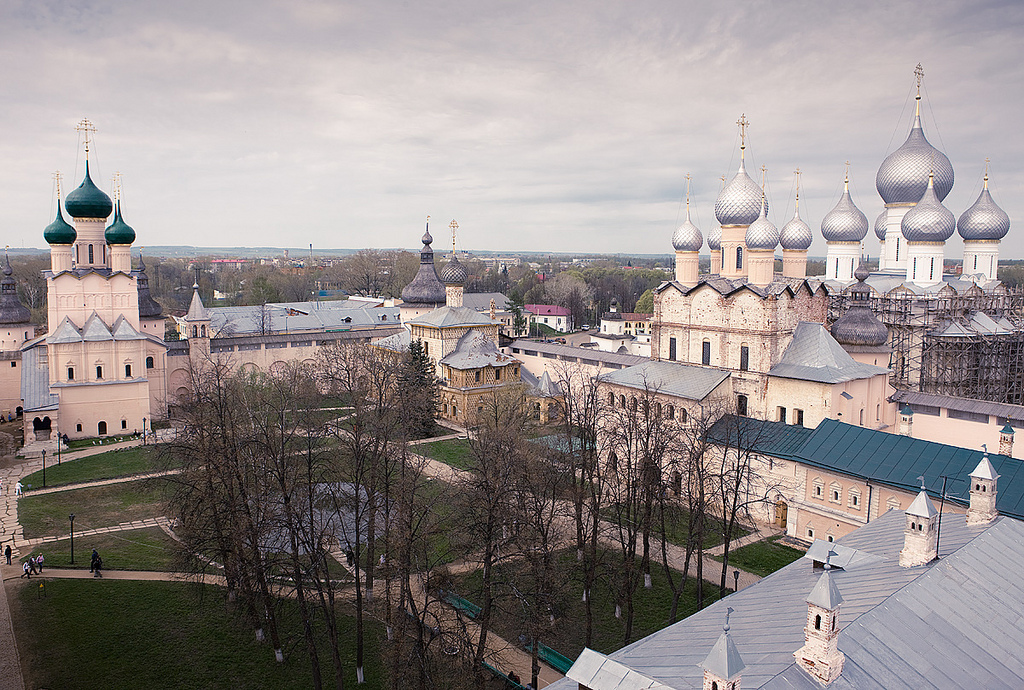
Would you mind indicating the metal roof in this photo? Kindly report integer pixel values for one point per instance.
(951, 623)
(35, 379)
(670, 378)
(476, 349)
(814, 355)
(298, 317)
(570, 353)
(443, 317)
(1015, 413)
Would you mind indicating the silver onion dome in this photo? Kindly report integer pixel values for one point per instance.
(983, 220)
(903, 175)
(715, 238)
(687, 237)
(454, 273)
(762, 233)
(845, 222)
(929, 220)
(858, 326)
(796, 234)
(740, 201)
(881, 223)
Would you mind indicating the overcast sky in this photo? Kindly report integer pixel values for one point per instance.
(546, 126)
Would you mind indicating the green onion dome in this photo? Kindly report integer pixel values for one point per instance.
(87, 201)
(119, 232)
(59, 231)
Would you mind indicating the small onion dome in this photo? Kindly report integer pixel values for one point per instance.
(740, 201)
(425, 288)
(762, 233)
(929, 221)
(687, 237)
(903, 175)
(881, 224)
(715, 238)
(87, 201)
(11, 308)
(119, 232)
(59, 231)
(858, 326)
(454, 273)
(984, 220)
(845, 222)
(796, 234)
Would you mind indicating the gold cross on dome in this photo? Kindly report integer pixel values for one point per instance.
(84, 125)
(454, 226)
(919, 75)
(57, 178)
(743, 122)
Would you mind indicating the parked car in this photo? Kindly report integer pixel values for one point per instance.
(586, 327)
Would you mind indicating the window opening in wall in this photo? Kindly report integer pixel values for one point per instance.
(831, 538)
(149, 362)
(739, 258)
(862, 417)
(741, 405)
(682, 415)
(99, 372)
(124, 423)
(798, 417)
(127, 371)
(497, 374)
(90, 253)
(782, 414)
(101, 428)
(744, 358)
(671, 412)
(476, 376)
(705, 353)
(71, 373)
(78, 427)
(672, 349)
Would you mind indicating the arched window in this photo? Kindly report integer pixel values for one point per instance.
(202, 331)
(744, 357)
(124, 423)
(682, 415)
(705, 353)
(611, 399)
(149, 362)
(741, 405)
(671, 412)
(127, 371)
(632, 404)
(817, 622)
(613, 462)
(739, 258)
(195, 331)
(99, 371)
(71, 373)
(622, 401)
(90, 253)
(101, 428)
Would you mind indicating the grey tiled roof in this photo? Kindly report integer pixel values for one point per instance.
(671, 378)
(35, 379)
(297, 317)
(476, 349)
(814, 355)
(444, 317)
(951, 623)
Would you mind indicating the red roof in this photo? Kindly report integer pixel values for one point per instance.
(546, 310)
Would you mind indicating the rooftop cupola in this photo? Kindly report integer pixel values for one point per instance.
(723, 665)
(844, 228)
(906, 420)
(982, 226)
(59, 231)
(983, 493)
(87, 201)
(148, 307)
(859, 327)
(820, 656)
(687, 242)
(426, 288)
(920, 536)
(1006, 440)
(454, 275)
(762, 237)
(903, 175)
(119, 232)
(740, 201)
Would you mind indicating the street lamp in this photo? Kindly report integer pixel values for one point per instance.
(143, 431)
(72, 518)
(44, 468)
(58, 447)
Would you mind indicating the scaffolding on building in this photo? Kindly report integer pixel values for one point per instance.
(970, 345)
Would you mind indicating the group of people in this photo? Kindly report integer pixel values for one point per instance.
(33, 566)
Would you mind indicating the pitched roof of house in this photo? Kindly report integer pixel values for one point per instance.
(476, 349)
(951, 623)
(546, 310)
(670, 378)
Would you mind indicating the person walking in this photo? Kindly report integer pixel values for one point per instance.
(27, 573)
(7, 553)
(18, 488)
(39, 563)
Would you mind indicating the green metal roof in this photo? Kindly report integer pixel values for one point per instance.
(59, 231)
(876, 456)
(119, 232)
(87, 201)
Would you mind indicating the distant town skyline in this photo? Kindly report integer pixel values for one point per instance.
(564, 127)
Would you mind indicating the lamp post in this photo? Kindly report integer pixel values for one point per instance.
(58, 447)
(143, 431)
(72, 518)
(44, 468)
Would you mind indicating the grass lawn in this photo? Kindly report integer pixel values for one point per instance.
(100, 506)
(677, 524)
(568, 634)
(455, 452)
(763, 557)
(140, 549)
(122, 462)
(124, 634)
